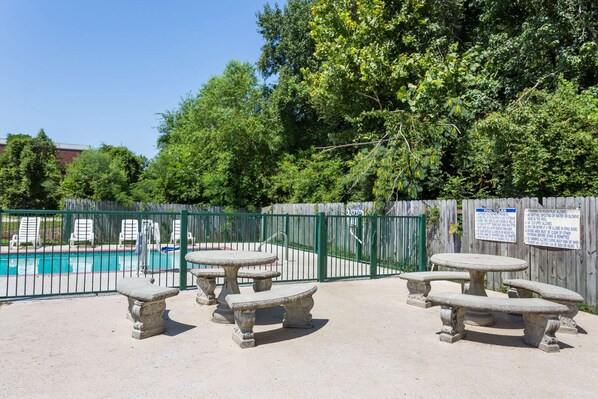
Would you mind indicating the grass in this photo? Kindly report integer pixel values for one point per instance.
(584, 307)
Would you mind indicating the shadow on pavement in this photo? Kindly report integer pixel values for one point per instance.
(504, 340)
(174, 327)
(285, 334)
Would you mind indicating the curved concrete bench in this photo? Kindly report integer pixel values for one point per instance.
(539, 316)
(206, 282)
(296, 299)
(525, 288)
(418, 284)
(147, 303)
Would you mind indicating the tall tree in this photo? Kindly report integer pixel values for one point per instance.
(411, 77)
(544, 144)
(219, 144)
(392, 70)
(532, 43)
(29, 172)
(288, 50)
(105, 174)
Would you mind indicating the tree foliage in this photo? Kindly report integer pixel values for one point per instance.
(29, 173)
(289, 49)
(105, 174)
(412, 77)
(367, 100)
(544, 144)
(312, 178)
(219, 145)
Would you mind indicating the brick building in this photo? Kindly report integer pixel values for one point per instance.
(66, 152)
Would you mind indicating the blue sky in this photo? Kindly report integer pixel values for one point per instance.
(93, 72)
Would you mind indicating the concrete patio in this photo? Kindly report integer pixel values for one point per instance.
(366, 343)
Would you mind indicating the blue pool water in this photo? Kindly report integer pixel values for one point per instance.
(48, 263)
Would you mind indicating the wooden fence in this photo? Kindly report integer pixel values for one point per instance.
(107, 226)
(575, 269)
(450, 229)
(91, 205)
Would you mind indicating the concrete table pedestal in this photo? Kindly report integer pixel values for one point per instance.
(231, 262)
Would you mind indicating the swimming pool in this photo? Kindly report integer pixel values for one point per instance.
(84, 262)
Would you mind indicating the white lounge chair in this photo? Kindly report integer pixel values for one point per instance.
(83, 232)
(28, 232)
(176, 233)
(129, 230)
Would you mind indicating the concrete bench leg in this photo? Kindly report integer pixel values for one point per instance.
(418, 292)
(539, 331)
(262, 284)
(568, 325)
(453, 328)
(147, 317)
(205, 291)
(298, 314)
(243, 332)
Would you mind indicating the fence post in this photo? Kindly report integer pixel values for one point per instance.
(183, 238)
(322, 246)
(359, 233)
(1, 212)
(316, 233)
(374, 246)
(67, 228)
(286, 225)
(206, 225)
(422, 256)
(264, 228)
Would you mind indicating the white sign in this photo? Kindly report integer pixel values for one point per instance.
(355, 210)
(495, 225)
(558, 228)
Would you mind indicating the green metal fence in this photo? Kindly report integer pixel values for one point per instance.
(80, 252)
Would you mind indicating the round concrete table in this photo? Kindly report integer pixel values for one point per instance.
(231, 262)
(478, 265)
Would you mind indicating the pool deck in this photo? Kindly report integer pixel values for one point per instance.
(366, 343)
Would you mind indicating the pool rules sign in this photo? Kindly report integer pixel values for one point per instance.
(557, 228)
(496, 225)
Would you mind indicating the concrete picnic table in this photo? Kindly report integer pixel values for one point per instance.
(231, 262)
(478, 265)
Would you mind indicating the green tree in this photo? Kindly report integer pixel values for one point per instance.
(313, 177)
(410, 78)
(133, 164)
(544, 144)
(529, 43)
(394, 73)
(105, 174)
(218, 146)
(29, 173)
(289, 48)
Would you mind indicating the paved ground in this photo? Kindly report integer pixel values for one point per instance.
(367, 343)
